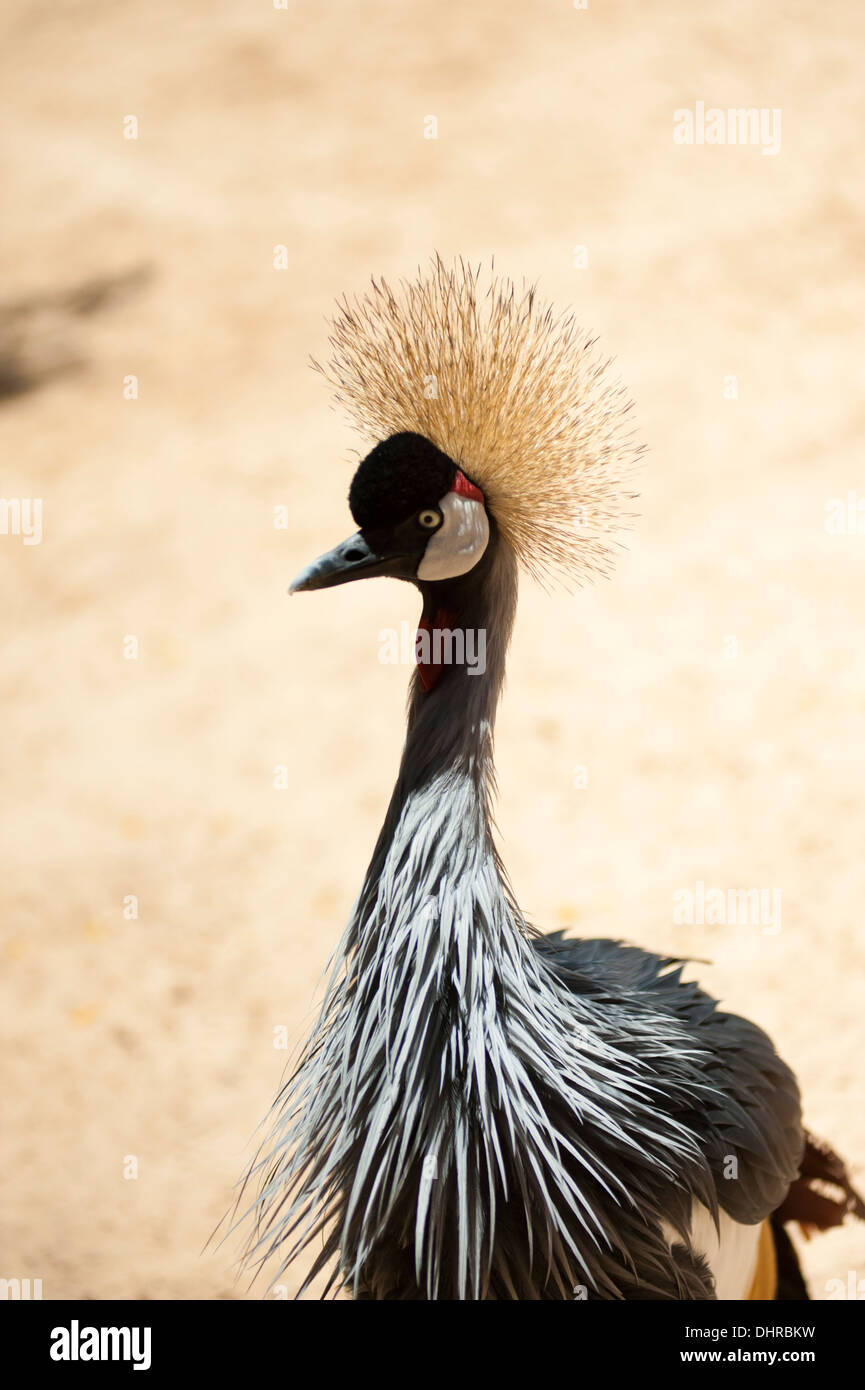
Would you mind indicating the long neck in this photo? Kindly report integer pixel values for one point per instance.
(439, 814)
(458, 1098)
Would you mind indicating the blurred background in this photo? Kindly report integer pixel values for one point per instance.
(155, 395)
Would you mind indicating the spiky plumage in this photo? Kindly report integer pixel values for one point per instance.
(481, 1111)
(518, 396)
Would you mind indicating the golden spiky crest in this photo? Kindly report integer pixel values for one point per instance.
(516, 395)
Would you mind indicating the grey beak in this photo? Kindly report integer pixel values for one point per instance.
(351, 559)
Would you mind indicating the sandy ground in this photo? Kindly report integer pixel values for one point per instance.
(739, 764)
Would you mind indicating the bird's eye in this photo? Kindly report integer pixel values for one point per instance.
(429, 519)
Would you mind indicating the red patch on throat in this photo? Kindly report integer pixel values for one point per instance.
(429, 672)
(464, 488)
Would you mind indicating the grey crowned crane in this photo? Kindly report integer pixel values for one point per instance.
(482, 1111)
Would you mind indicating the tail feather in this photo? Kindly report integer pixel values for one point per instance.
(813, 1205)
(821, 1197)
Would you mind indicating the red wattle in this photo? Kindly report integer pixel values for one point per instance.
(465, 488)
(429, 672)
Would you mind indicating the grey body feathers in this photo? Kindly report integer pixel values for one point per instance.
(485, 1112)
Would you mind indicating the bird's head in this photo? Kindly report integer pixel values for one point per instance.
(499, 427)
(420, 517)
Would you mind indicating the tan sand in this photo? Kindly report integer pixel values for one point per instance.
(154, 777)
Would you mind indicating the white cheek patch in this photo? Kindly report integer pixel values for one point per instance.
(460, 541)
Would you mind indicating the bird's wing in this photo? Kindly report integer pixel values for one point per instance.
(750, 1127)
